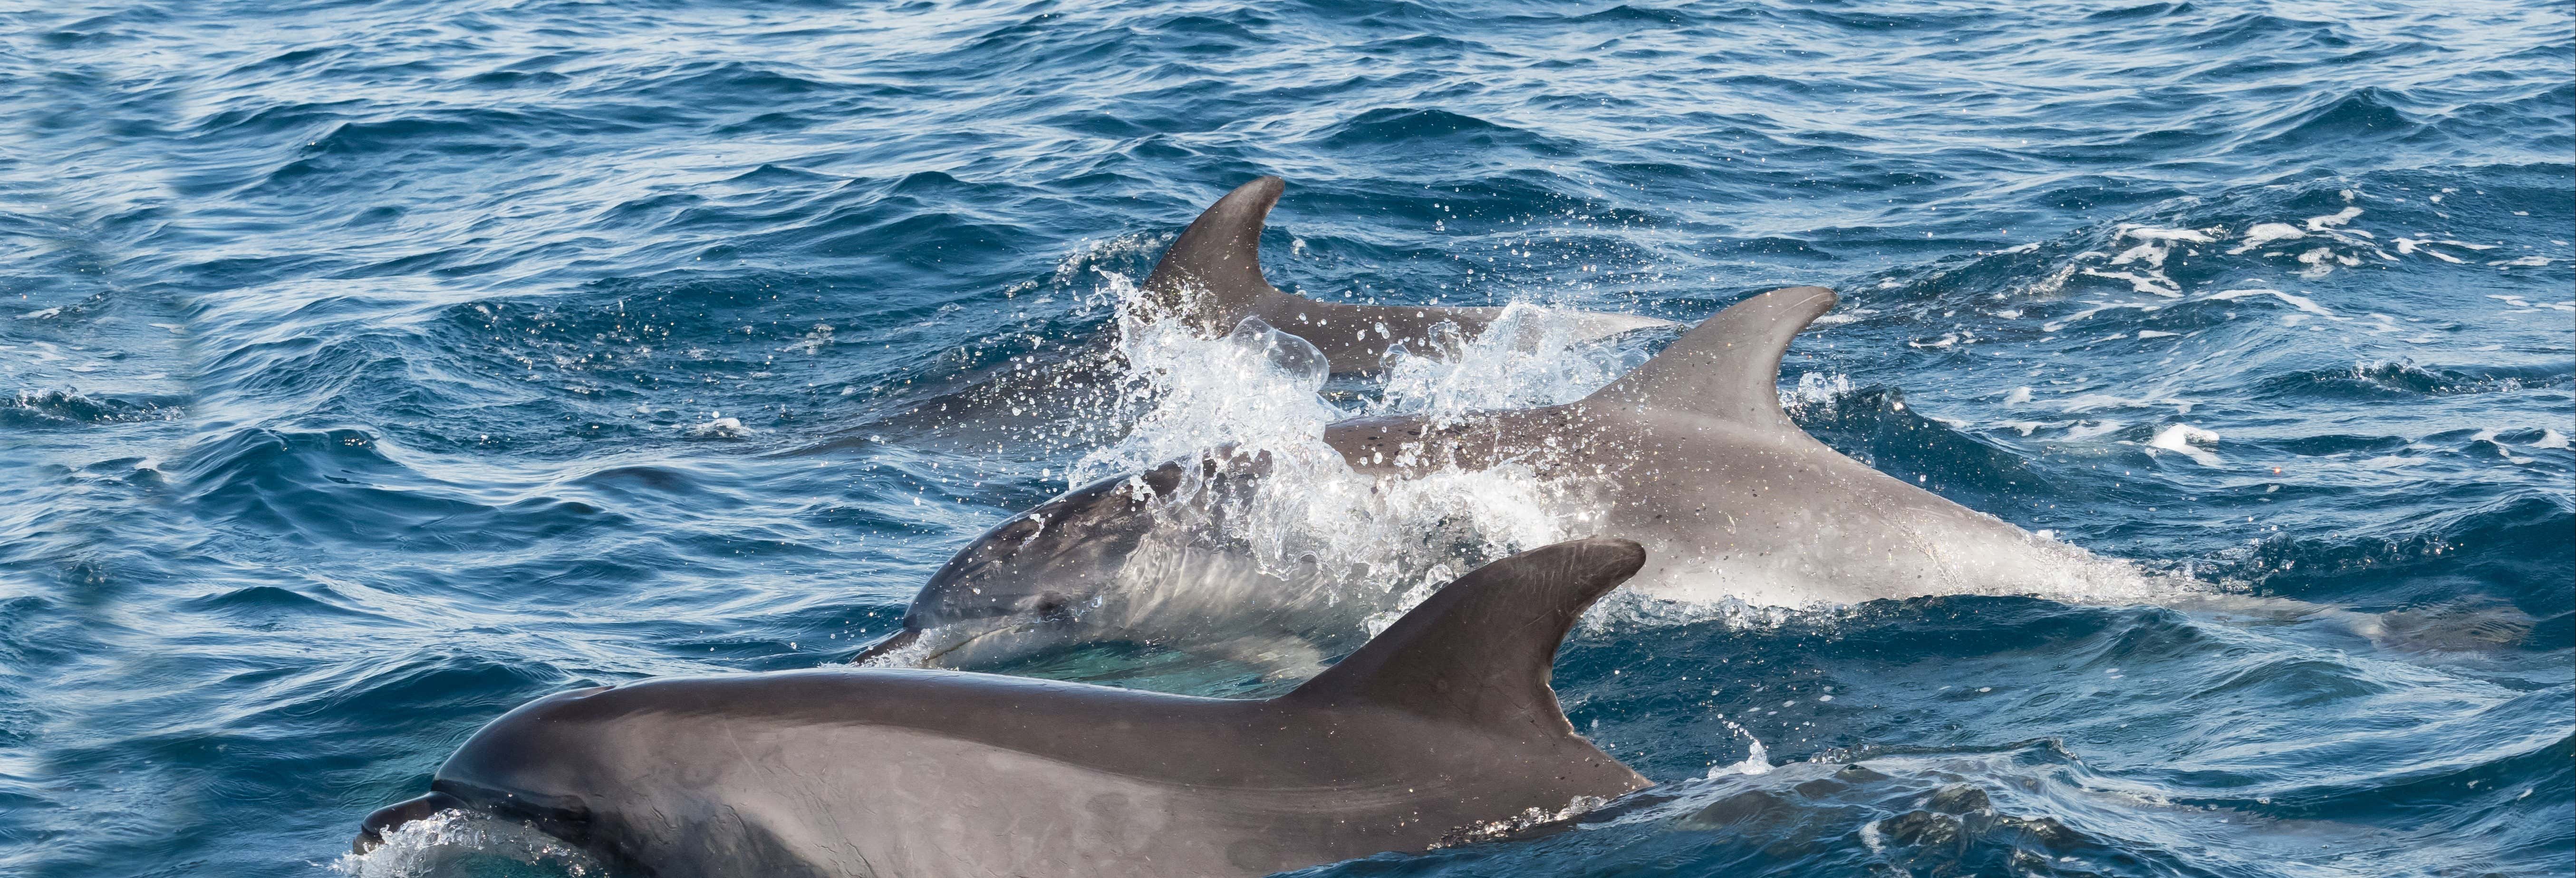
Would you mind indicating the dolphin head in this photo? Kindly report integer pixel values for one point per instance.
(588, 780)
(524, 781)
(1039, 581)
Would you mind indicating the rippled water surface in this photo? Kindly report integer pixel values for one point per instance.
(373, 368)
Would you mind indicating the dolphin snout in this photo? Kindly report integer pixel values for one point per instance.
(886, 645)
(371, 832)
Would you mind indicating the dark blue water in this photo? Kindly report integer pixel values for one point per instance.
(367, 369)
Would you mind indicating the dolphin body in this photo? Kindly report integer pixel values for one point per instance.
(1440, 730)
(1690, 454)
(1210, 281)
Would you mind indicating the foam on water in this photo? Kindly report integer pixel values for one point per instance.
(2188, 441)
(455, 843)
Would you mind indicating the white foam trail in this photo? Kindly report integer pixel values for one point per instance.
(2185, 439)
(718, 428)
(2060, 323)
(2091, 429)
(2153, 282)
(2153, 234)
(2265, 233)
(2302, 303)
(2329, 221)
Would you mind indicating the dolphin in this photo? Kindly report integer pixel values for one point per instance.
(1209, 282)
(1690, 454)
(1441, 730)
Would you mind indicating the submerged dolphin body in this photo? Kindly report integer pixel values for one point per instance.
(1440, 730)
(1209, 280)
(1689, 454)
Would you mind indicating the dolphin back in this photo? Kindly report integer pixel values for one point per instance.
(1729, 366)
(1481, 650)
(1211, 278)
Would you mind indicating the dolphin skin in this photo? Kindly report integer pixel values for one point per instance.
(1440, 730)
(1690, 454)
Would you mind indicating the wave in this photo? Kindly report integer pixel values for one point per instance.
(1407, 128)
(2507, 546)
(2367, 379)
(340, 487)
(33, 409)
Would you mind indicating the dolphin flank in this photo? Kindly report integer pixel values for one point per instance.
(1440, 730)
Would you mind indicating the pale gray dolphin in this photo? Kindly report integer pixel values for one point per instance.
(1440, 730)
(1689, 454)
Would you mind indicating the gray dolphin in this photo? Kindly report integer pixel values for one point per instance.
(1211, 280)
(1440, 730)
(1208, 280)
(1689, 454)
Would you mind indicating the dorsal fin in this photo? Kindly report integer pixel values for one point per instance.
(1729, 366)
(1481, 650)
(1211, 276)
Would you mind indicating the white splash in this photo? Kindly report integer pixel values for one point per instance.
(1255, 395)
(1257, 388)
(718, 428)
(457, 843)
(1757, 759)
(1529, 356)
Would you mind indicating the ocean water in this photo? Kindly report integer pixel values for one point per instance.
(373, 368)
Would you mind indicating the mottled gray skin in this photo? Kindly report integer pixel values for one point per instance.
(1442, 728)
(1690, 454)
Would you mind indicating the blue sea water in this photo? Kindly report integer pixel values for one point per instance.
(373, 368)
